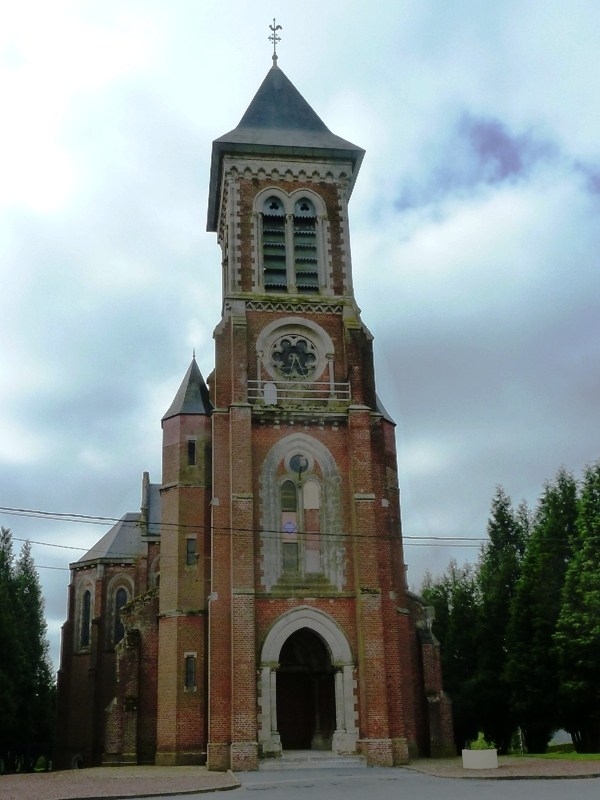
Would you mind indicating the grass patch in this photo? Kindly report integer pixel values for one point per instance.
(565, 747)
(567, 756)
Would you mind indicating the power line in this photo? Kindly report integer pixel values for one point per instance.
(417, 542)
(116, 556)
(199, 528)
(50, 544)
(57, 515)
(45, 566)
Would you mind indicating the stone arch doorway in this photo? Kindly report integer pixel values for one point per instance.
(308, 647)
(305, 693)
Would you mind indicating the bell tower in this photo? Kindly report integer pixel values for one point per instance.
(312, 642)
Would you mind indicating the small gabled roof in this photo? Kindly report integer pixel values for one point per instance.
(192, 396)
(121, 543)
(278, 121)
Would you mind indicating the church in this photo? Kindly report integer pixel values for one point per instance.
(258, 602)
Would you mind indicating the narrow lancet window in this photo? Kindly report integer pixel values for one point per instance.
(274, 249)
(306, 267)
(289, 526)
(190, 672)
(120, 600)
(311, 501)
(86, 619)
(300, 502)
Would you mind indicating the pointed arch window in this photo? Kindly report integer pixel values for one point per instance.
(300, 503)
(289, 526)
(306, 265)
(86, 619)
(311, 504)
(274, 246)
(120, 600)
(290, 252)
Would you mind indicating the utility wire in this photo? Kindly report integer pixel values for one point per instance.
(199, 528)
(410, 541)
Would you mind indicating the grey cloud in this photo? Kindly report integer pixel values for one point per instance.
(474, 152)
(498, 154)
(591, 174)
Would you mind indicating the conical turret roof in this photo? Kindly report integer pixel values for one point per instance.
(192, 396)
(280, 122)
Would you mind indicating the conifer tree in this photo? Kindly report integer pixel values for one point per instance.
(36, 678)
(577, 638)
(454, 597)
(26, 685)
(532, 668)
(499, 569)
(11, 661)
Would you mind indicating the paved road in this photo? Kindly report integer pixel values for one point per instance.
(395, 784)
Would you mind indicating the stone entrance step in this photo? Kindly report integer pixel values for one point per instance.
(311, 759)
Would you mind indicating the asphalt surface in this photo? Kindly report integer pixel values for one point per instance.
(527, 778)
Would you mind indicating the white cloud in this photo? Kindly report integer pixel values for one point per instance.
(424, 458)
(52, 56)
(18, 445)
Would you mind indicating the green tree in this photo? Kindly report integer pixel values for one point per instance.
(454, 597)
(498, 573)
(532, 667)
(577, 637)
(26, 686)
(11, 660)
(37, 685)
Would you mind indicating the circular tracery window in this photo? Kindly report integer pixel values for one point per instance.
(294, 356)
(294, 349)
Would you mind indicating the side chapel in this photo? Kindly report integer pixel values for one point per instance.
(258, 603)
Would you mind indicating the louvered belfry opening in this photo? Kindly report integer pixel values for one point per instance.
(305, 247)
(298, 230)
(274, 250)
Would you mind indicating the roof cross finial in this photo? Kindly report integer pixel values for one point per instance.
(274, 38)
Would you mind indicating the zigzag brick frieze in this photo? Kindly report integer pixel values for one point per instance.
(291, 308)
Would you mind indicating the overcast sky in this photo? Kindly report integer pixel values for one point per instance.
(475, 240)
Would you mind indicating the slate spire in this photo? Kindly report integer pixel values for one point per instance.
(192, 396)
(278, 106)
(278, 122)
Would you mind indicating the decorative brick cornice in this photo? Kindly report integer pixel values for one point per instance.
(269, 168)
(293, 308)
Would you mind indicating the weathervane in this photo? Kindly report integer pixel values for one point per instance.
(274, 38)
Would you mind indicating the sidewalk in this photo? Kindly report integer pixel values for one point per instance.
(509, 768)
(114, 782)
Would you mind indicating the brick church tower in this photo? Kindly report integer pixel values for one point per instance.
(281, 619)
(308, 578)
